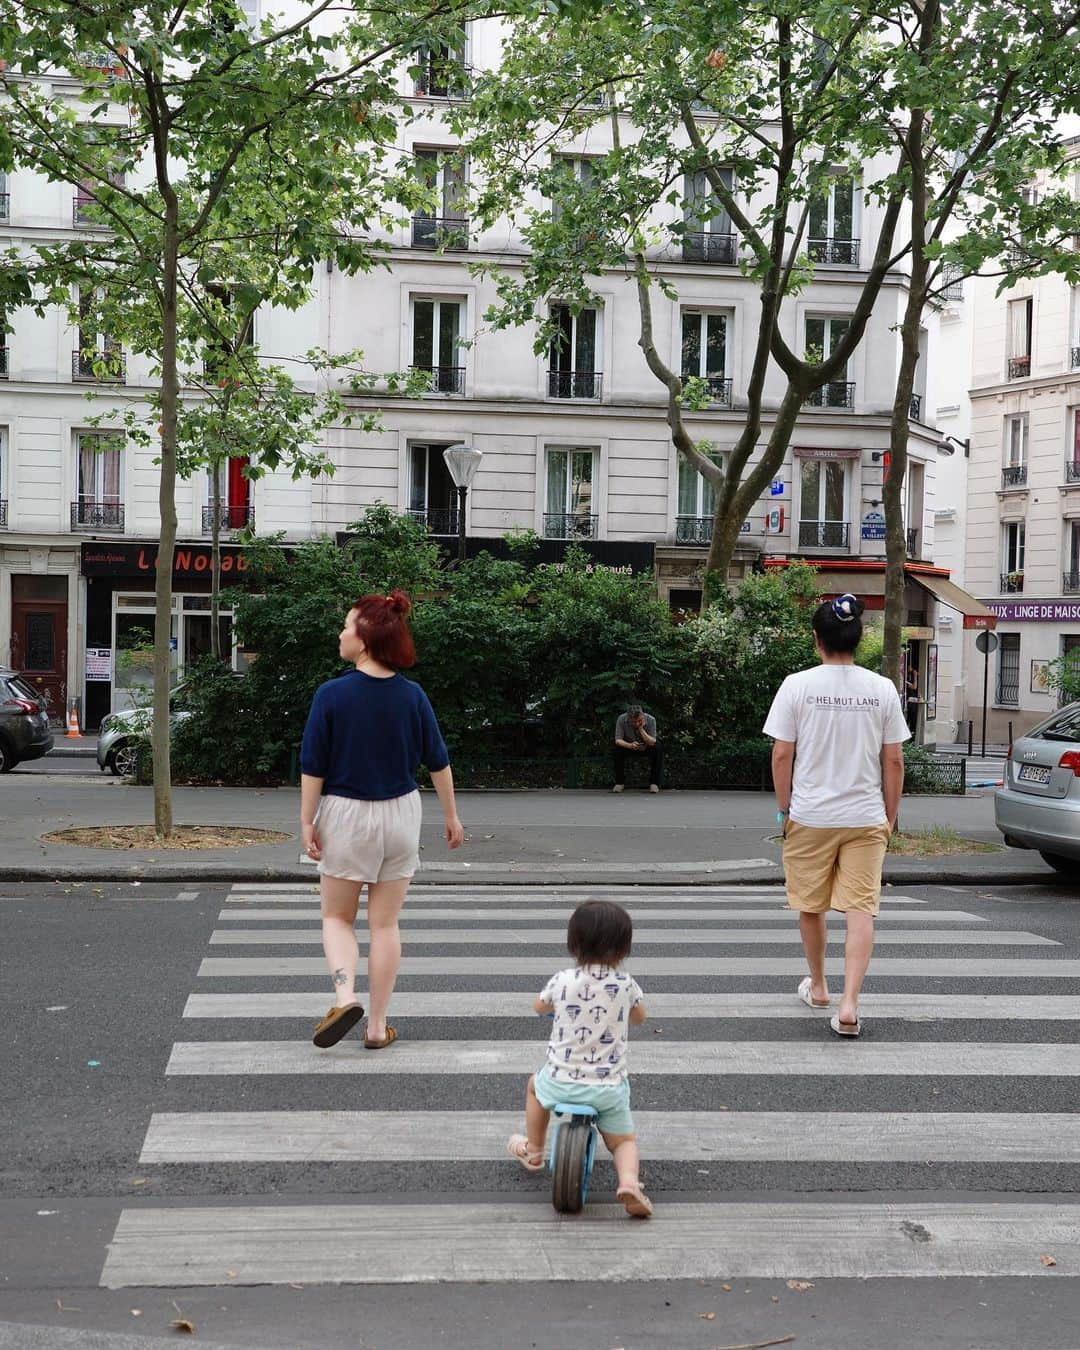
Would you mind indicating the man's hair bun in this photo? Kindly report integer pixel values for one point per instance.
(399, 603)
(847, 607)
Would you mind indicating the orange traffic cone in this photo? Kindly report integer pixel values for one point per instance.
(73, 733)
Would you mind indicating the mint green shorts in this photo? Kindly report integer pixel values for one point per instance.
(610, 1101)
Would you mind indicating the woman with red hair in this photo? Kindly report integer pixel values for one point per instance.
(360, 807)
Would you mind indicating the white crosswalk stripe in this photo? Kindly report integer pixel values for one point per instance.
(519, 1238)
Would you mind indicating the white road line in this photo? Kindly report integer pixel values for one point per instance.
(781, 914)
(748, 967)
(674, 1136)
(643, 937)
(410, 1244)
(830, 1058)
(629, 896)
(487, 1004)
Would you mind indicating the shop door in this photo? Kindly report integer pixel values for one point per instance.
(39, 651)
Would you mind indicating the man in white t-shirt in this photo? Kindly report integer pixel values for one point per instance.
(838, 772)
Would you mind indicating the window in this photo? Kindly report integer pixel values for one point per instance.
(1012, 558)
(823, 503)
(1008, 670)
(916, 476)
(704, 351)
(1070, 578)
(441, 70)
(436, 350)
(99, 477)
(97, 357)
(832, 236)
(5, 197)
(3, 346)
(1070, 658)
(3, 480)
(572, 367)
(708, 234)
(444, 172)
(230, 333)
(696, 502)
(570, 500)
(234, 496)
(1019, 338)
(432, 495)
(569, 169)
(823, 336)
(1014, 471)
(1072, 458)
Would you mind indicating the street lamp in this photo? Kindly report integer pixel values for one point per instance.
(462, 461)
(948, 445)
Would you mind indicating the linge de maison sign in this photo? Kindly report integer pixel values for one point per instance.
(1032, 611)
(140, 560)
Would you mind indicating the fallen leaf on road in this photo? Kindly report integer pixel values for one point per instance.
(800, 1284)
(1048, 1260)
(726, 1288)
(184, 1325)
(707, 1317)
(141, 1181)
(64, 1308)
(231, 1274)
(758, 1345)
(136, 1312)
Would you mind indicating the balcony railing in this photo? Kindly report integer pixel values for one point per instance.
(693, 529)
(915, 408)
(3, 515)
(575, 383)
(229, 517)
(560, 526)
(824, 533)
(438, 519)
(719, 387)
(111, 367)
(1012, 583)
(710, 248)
(3, 363)
(5, 205)
(443, 379)
(1019, 367)
(952, 282)
(913, 542)
(447, 234)
(1072, 471)
(841, 251)
(1070, 583)
(835, 394)
(446, 78)
(1014, 475)
(1074, 358)
(89, 514)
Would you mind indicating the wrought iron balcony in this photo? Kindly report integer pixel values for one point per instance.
(1012, 583)
(438, 519)
(3, 363)
(444, 379)
(1074, 358)
(710, 248)
(89, 514)
(446, 234)
(693, 529)
(575, 383)
(952, 282)
(719, 387)
(102, 367)
(1019, 367)
(835, 394)
(1072, 471)
(443, 78)
(844, 252)
(229, 517)
(561, 526)
(824, 533)
(915, 408)
(1070, 583)
(3, 515)
(5, 205)
(1014, 475)
(913, 542)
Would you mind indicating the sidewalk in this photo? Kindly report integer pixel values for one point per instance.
(545, 838)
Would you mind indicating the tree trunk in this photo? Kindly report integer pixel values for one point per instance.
(163, 590)
(215, 559)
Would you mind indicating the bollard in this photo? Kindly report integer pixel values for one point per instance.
(1010, 739)
(971, 738)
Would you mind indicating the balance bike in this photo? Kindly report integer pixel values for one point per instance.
(573, 1148)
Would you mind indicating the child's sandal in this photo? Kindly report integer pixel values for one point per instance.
(518, 1148)
(634, 1200)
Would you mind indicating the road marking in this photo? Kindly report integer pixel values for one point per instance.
(643, 937)
(527, 1243)
(829, 1058)
(243, 914)
(747, 967)
(671, 1136)
(488, 1003)
(189, 895)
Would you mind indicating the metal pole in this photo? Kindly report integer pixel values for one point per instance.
(986, 684)
(971, 737)
(462, 494)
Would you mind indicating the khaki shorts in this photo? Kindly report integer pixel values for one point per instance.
(834, 868)
(369, 841)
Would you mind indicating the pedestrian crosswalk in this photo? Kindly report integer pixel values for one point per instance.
(730, 1072)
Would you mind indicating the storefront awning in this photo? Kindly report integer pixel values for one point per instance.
(975, 613)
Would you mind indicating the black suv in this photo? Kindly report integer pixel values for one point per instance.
(24, 723)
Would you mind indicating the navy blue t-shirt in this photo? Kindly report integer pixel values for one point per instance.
(365, 736)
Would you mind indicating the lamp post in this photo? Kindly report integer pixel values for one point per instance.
(948, 445)
(462, 462)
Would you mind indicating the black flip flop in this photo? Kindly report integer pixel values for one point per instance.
(337, 1023)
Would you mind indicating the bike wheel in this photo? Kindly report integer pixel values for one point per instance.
(569, 1171)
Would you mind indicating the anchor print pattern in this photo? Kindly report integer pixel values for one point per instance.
(588, 1036)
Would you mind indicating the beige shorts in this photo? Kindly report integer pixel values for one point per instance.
(834, 868)
(369, 841)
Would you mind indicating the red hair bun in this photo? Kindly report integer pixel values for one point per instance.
(399, 603)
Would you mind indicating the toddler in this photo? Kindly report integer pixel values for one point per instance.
(593, 1004)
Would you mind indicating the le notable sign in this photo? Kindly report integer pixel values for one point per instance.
(140, 560)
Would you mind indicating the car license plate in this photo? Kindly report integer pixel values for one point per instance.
(1033, 773)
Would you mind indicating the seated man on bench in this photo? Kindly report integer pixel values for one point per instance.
(635, 734)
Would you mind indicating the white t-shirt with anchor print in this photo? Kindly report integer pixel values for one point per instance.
(591, 1020)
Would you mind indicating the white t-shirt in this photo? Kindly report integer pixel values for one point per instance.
(839, 718)
(592, 1016)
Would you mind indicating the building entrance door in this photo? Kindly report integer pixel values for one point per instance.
(39, 636)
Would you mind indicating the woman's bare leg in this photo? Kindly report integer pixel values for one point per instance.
(340, 901)
(385, 899)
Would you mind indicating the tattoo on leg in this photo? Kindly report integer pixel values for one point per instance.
(340, 976)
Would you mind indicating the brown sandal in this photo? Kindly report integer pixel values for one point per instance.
(388, 1039)
(337, 1023)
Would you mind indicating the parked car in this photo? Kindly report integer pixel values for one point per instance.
(121, 733)
(1039, 804)
(24, 723)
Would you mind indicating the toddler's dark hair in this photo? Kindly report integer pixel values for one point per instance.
(599, 933)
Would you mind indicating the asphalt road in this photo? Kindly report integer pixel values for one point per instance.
(95, 986)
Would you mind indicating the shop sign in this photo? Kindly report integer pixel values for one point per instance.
(1049, 611)
(139, 560)
(873, 525)
(819, 452)
(776, 487)
(99, 663)
(774, 520)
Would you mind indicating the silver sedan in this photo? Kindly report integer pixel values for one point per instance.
(1039, 805)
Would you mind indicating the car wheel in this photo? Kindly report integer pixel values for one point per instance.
(7, 757)
(123, 760)
(1068, 867)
